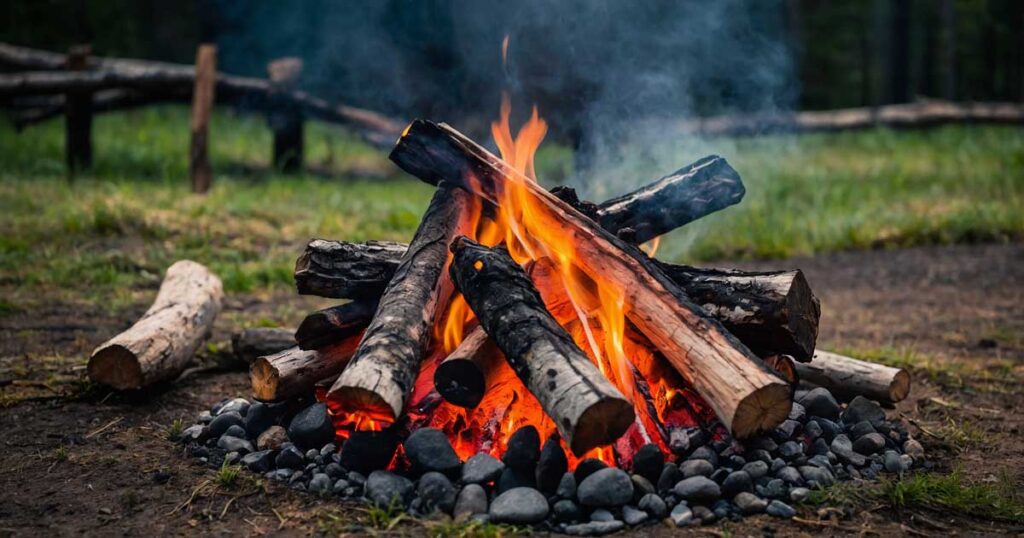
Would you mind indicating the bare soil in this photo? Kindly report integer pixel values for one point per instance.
(76, 459)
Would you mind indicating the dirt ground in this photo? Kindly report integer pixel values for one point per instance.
(76, 459)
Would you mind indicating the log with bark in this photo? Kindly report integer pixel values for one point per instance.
(847, 377)
(295, 372)
(161, 343)
(334, 324)
(585, 407)
(747, 397)
(347, 270)
(462, 378)
(250, 344)
(380, 377)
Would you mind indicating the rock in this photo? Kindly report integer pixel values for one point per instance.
(601, 515)
(891, 461)
(862, 409)
(235, 431)
(812, 429)
(681, 515)
(565, 511)
(654, 506)
(736, 482)
(523, 450)
(436, 491)
(790, 475)
(762, 443)
(735, 462)
(272, 438)
(311, 454)
(551, 465)
(821, 461)
(819, 402)
(843, 448)
(428, 449)
(235, 405)
(913, 449)
(776, 464)
(511, 478)
(220, 424)
(719, 475)
(820, 447)
(648, 462)
(587, 467)
(799, 495)
(290, 458)
(704, 514)
(311, 427)
(384, 488)
(680, 440)
(774, 489)
(260, 417)
(759, 455)
(633, 516)
(790, 450)
(797, 412)
(205, 417)
(234, 444)
(259, 462)
(594, 528)
(641, 486)
(320, 483)
(334, 470)
(356, 478)
(748, 503)
(368, 451)
(482, 468)
(670, 475)
(472, 500)
(816, 476)
(609, 487)
(519, 506)
(698, 489)
(328, 450)
(566, 486)
(756, 469)
(869, 444)
(699, 467)
(786, 431)
(861, 429)
(340, 486)
(196, 433)
(906, 462)
(704, 453)
(778, 508)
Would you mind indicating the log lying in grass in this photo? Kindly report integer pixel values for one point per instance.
(334, 324)
(847, 377)
(295, 372)
(347, 270)
(745, 394)
(461, 379)
(161, 343)
(585, 407)
(381, 374)
(771, 312)
(250, 344)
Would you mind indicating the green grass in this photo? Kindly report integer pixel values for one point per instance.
(228, 475)
(107, 237)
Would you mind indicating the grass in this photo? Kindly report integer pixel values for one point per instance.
(228, 475)
(107, 237)
(177, 426)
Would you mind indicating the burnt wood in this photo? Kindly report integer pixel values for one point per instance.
(250, 344)
(585, 407)
(462, 377)
(334, 324)
(346, 270)
(296, 372)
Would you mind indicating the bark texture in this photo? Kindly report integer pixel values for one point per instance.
(347, 270)
(847, 377)
(334, 324)
(295, 372)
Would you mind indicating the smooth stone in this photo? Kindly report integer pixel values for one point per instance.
(260, 417)
(654, 506)
(340, 486)
(790, 475)
(328, 450)
(737, 482)
(383, 488)
(609, 487)
(205, 417)
(311, 454)
(698, 489)
(786, 431)
(735, 462)
(566, 486)
(482, 468)
(869, 444)
(320, 483)
(234, 444)
(699, 467)
(704, 514)
(334, 470)
(762, 443)
(670, 475)
(641, 486)
(863, 409)
(821, 461)
(798, 412)
(436, 491)
(759, 455)
(312, 427)
(368, 451)
(565, 510)
(272, 438)
(551, 466)
(812, 429)
(234, 405)
(220, 424)
(259, 462)
(704, 453)
(913, 449)
(829, 429)
(428, 449)
(196, 433)
(790, 450)
(816, 476)
(720, 475)
(799, 495)
(471, 500)
(356, 478)
(843, 448)
(778, 508)
(861, 429)
(633, 516)
(681, 515)
(523, 450)
(587, 467)
(235, 431)
(648, 462)
(601, 515)
(820, 447)
(511, 478)
(819, 402)
(776, 488)
(756, 469)
(519, 506)
(748, 503)
(891, 461)
(594, 528)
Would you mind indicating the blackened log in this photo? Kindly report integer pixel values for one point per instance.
(585, 407)
(462, 378)
(347, 270)
(380, 377)
(747, 397)
(250, 344)
(334, 324)
(295, 372)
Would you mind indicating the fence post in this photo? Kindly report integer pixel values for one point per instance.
(284, 118)
(202, 102)
(78, 116)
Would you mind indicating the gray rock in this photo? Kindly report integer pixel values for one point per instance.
(519, 506)
(704, 453)
(786, 431)
(704, 514)
(648, 462)
(232, 458)
(654, 505)
(774, 489)
(356, 478)
(340, 486)
(587, 467)
(776, 464)
(565, 511)
(259, 462)
(863, 409)
(820, 447)
(320, 483)
(843, 448)
(472, 500)
(328, 450)
(797, 412)
(869, 444)
(205, 417)
(260, 417)
(698, 467)
(670, 474)
(290, 458)
(819, 402)
(633, 516)
(235, 431)
(906, 462)
(913, 449)
(428, 449)
(594, 528)
(778, 508)
(272, 438)
(436, 491)
(790, 475)
(220, 424)
(601, 515)
(312, 427)
(609, 487)
(812, 429)
(790, 450)
(681, 515)
(698, 489)
(719, 475)
(196, 433)
(334, 470)
(511, 478)
(816, 476)
(482, 468)
(748, 503)
(236, 405)
(567, 486)
(821, 461)
(234, 444)
(311, 454)
(641, 486)
(736, 482)
(384, 488)
(799, 495)
(861, 429)
(756, 469)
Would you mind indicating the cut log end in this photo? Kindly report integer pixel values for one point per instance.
(899, 389)
(803, 311)
(762, 410)
(601, 424)
(264, 378)
(116, 366)
(368, 403)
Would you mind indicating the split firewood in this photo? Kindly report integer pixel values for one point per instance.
(585, 407)
(295, 372)
(334, 324)
(745, 394)
(380, 377)
(249, 344)
(462, 378)
(847, 377)
(160, 345)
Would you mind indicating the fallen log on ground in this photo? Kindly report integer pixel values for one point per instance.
(847, 377)
(462, 378)
(295, 372)
(334, 324)
(745, 394)
(250, 344)
(381, 375)
(162, 343)
(585, 407)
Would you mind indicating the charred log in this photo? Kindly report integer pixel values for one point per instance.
(334, 324)
(347, 270)
(462, 378)
(250, 344)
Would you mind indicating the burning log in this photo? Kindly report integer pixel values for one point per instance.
(381, 374)
(347, 270)
(161, 343)
(846, 377)
(250, 344)
(294, 372)
(745, 395)
(334, 324)
(462, 378)
(587, 409)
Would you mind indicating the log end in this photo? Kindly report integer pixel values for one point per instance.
(762, 410)
(803, 312)
(601, 424)
(115, 366)
(899, 389)
(367, 403)
(460, 382)
(265, 379)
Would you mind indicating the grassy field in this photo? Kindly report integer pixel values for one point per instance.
(113, 231)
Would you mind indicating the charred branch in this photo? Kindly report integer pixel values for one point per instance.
(334, 324)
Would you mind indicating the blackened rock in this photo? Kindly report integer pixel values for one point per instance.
(820, 447)
(234, 444)
(312, 454)
(641, 486)
(587, 467)
(551, 466)
(384, 488)
(519, 506)
(320, 483)
(749, 504)
(334, 470)
(595, 528)
(428, 449)
(762, 443)
(869, 444)
(566, 511)
(648, 462)
(511, 479)
(566, 486)
(861, 429)
(778, 508)
(670, 475)
(736, 482)
(260, 417)
(472, 500)
(843, 448)
(340, 486)
(523, 450)
(698, 489)
(759, 455)
(704, 453)
(196, 433)
(697, 467)
(719, 475)
(735, 462)
(654, 506)
(312, 427)
(220, 424)
(436, 492)
(290, 458)
(816, 476)
(819, 402)
(367, 451)
(790, 450)
(610, 487)
(756, 469)
(829, 429)
(812, 429)
(235, 431)
(791, 476)
(259, 462)
(786, 431)
(863, 409)
(482, 468)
